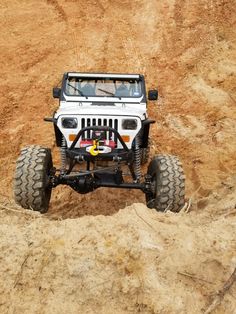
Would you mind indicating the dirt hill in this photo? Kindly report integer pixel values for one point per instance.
(84, 257)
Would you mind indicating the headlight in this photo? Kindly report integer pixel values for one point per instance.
(69, 123)
(129, 124)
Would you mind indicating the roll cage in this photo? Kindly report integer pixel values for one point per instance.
(138, 78)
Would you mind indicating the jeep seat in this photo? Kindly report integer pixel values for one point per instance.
(122, 91)
(88, 90)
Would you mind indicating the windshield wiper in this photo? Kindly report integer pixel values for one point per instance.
(81, 93)
(105, 91)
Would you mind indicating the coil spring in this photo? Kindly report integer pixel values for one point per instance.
(137, 158)
(63, 155)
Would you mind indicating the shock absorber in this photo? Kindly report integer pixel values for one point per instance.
(63, 155)
(137, 158)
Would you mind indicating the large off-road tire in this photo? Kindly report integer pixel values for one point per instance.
(168, 184)
(32, 189)
(145, 153)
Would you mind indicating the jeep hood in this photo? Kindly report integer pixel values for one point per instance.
(109, 110)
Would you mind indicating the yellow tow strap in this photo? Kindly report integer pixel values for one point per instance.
(92, 150)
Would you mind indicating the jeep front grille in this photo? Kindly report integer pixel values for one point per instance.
(113, 123)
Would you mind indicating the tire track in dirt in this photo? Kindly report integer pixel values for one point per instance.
(37, 60)
(69, 28)
(73, 31)
(58, 8)
(108, 37)
(178, 13)
(131, 52)
(120, 36)
(75, 48)
(130, 48)
(101, 6)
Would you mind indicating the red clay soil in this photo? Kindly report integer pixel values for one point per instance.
(114, 259)
(186, 49)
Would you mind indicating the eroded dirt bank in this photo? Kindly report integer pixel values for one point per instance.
(135, 260)
(187, 49)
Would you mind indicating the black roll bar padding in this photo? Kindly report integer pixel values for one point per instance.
(98, 128)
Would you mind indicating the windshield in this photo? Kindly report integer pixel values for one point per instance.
(105, 87)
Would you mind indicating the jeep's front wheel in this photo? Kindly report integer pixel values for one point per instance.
(32, 189)
(167, 184)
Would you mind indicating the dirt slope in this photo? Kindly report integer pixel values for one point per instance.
(188, 50)
(136, 261)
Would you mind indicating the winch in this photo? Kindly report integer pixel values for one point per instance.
(98, 144)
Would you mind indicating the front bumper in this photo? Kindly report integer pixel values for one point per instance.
(81, 154)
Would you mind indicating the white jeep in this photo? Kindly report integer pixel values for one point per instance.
(102, 129)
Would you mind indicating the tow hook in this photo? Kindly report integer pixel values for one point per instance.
(92, 150)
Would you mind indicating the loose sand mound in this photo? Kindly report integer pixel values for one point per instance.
(137, 260)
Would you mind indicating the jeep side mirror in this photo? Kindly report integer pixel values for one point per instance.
(153, 94)
(56, 92)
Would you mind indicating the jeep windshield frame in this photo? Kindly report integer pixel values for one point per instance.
(103, 86)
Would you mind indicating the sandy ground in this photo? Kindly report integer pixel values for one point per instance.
(186, 49)
(135, 261)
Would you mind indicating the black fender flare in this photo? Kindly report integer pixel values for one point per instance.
(145, 132)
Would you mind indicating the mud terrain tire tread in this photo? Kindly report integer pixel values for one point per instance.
(168, 184)
(31, 190)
